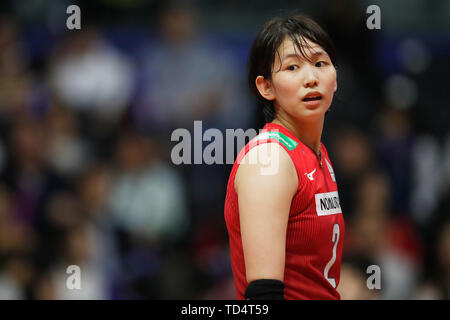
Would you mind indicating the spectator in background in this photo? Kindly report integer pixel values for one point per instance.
(92, 77)
(186, 77)
(16, 273)
(435, 279)
(353, 282)
(429, 178)
(147, 197)
(80, 248)
(79, 222)
(93, 189)
(416, 165)
(16, 245)
(27, 173)
(374, 236)
(148, 207)
(443, 260)
(393, 142)
(14, 236)
(353, 158)
(68, 151)
(61, 213)
(15, 76)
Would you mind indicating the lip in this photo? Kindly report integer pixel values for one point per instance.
(312, 103)
(312, 94)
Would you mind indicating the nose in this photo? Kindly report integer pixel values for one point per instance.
(310, 79)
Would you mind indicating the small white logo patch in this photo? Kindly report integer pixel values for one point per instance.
(310, 175)
(327, 203)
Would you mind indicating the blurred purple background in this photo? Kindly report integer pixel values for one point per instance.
(86, 118)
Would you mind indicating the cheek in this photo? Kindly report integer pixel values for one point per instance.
(330, 82)
(286, 88)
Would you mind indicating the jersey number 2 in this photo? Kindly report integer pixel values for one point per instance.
(334, 239)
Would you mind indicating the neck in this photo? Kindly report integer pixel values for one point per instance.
(309, 133)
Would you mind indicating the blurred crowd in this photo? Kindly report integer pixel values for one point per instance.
(86, 176)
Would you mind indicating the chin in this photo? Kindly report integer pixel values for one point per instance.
(312, 114)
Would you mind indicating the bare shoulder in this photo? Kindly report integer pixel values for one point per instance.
(267, 166)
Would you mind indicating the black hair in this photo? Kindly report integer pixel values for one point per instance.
(265, 46)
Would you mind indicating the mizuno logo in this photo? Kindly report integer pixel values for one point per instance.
(310, 175)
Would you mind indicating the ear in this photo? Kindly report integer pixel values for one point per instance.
(335, 83)
(265, 88)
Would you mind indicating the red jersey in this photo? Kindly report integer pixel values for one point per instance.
(315, 230)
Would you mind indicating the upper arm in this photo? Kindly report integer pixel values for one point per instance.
(265, 189)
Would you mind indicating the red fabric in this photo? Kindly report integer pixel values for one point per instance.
(404, 238)
(310, 239)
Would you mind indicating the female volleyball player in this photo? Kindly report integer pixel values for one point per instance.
(282, 209)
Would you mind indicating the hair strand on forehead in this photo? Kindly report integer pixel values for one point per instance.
(301, 46)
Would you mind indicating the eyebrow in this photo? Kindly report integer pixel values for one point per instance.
(315, 53)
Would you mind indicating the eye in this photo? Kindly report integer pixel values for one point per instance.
(292, 67)
(320, 64)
